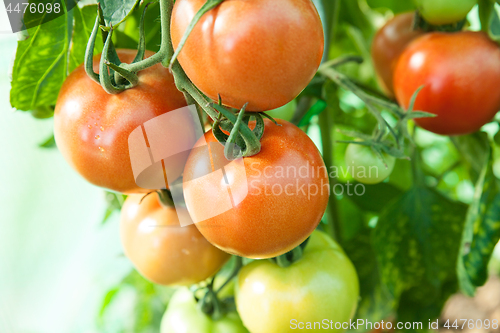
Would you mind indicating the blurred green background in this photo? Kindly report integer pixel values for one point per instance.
(56, 260)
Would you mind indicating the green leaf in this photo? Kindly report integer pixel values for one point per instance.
(84, 22)
(376, 303)
(417, 240)
(149, 304)
(108, 298)
(114, 203)
(473, 149)
(45, 59)
(115, 12)
(49, 143)
(43, 112)
(481, 232)
(376, 197)
(396, 6)
(41, 64)
(316, 109)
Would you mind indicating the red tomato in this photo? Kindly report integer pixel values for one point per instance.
(264, 52)
(268, 209)
(388, 44)
(91, 127)
(460, 73)
(162, 250)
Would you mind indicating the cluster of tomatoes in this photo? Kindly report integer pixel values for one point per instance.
(458, 71)
(252, 60)
(451, 73)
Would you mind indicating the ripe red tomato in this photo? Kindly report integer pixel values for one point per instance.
(264, 52)
(162, 250)
(388, 44)
(268, 209)
(91, 127)
(460, 73)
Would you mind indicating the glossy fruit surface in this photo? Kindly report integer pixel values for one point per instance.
(388, 44)
(440, 12)
(365, 166)
(323, 284)
(162, 250)
(183, 316)
(92, 127)
(263, 52)
(458, 72)
(261, 206)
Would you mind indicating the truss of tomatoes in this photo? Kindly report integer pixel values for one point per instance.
(278, 195)
(459, 72)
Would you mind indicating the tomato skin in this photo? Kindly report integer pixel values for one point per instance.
(440, 12)
(365, 166)
(183, 316)
(388, 44)
(91, 127)
(263, 52)
(162, 250)
(459, 72)
(266, 222)
(323, 284)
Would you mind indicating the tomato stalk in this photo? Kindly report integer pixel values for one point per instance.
(486, 8)
(287, 259)
(207, 6)
(251, 142)
(116, 76)
(326, 123)
(210, 304)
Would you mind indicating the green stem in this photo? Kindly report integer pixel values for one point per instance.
(331, 9)
(209, 5)
(238, 264)
(89, 53)
(486, 8)
(165, 51)
(333, 227)
(418, 176)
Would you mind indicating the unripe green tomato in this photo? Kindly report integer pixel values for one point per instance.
(365, 166)
(285, 112)
(439, 12)
(322, 285)
(183, 316)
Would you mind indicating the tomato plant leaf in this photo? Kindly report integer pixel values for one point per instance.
(115, 12)
(316, 109)
(44, 60)
(376, 302)
(481, 232)
(473, 149)
(41, 64)
(48, 143)
(114, 204)
(84, 22)
(376, 197)
(417, 239)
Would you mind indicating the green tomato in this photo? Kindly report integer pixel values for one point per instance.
(365, 166)
(183, 316)
(285, 112)
(320, 287)
(439, 12)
